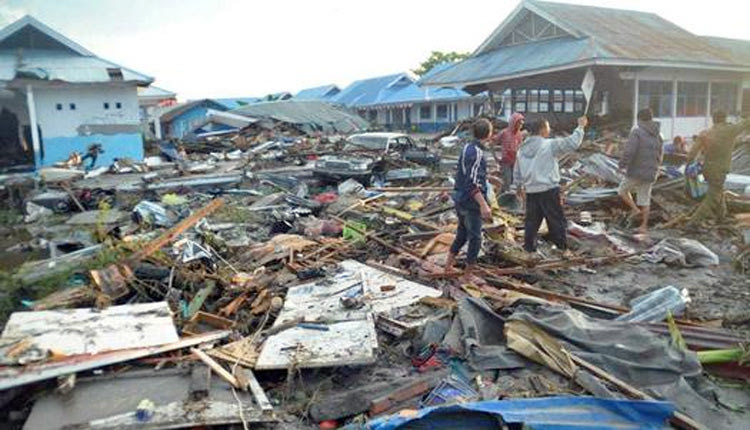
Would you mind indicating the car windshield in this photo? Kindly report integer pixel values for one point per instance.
(370, 142)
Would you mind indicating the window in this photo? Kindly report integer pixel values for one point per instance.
(691, 98)
(533, 105)
(58, 106)
(569, 101)
(723, 97)
(118, 105)
(543, 100)
(72, 106)
(519, 104)
(106, 105)
(115, 73)
(442, 112)
(557, 101)
(425, 112)
(372, 115)
(657, 95)
(580, 101)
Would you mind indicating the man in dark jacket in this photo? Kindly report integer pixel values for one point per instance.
(641, 160)
(470, 196)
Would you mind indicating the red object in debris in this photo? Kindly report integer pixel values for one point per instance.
(326, 198)
(328, 424)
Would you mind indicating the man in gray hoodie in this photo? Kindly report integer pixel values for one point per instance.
(641, 160)
(537, 175)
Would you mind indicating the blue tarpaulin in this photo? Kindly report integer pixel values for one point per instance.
(554, 413)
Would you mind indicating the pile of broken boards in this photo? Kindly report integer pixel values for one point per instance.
(251, 296)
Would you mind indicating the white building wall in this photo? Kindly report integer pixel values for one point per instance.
(89, 107)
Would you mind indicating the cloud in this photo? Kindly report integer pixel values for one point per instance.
(10, 13)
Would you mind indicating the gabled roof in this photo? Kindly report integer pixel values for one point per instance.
(186, 106)
(9, 37)
(30, 49)
(396, 89)
(586, 36)
(323, 92)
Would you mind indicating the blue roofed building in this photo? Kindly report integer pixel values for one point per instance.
(398, 102)
(535, 61)
(57, 97)
(321, 93)
(185, 117)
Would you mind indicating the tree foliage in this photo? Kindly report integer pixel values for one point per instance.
(439, 57)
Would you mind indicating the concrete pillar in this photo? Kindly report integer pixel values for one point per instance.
(635, 99)
(738, 105)
(708, 105)
(36, 144)
(157, 124)
(674, 106)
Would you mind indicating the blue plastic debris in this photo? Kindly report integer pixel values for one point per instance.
(551, 413)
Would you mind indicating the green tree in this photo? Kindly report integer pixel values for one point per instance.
(439, 57)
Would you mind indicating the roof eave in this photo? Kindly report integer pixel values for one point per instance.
(592, 62)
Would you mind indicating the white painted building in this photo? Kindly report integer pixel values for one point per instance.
(58, 98)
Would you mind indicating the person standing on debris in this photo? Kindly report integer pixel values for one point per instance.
(641, 160)
(537, 180)
(470, 196)
(716, 144)
(509, 140)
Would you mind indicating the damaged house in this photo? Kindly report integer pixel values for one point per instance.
(183, 118)
(537, 58)
(398, 102)
(57, 97)
(154, 101)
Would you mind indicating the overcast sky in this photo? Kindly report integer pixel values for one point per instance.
(234, 48)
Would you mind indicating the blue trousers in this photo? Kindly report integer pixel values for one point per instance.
(469, 230)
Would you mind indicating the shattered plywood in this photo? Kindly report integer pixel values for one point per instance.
(382, 292)
(90, 331)
(340, 335)
(93, 404)
(340, 344)
(14, 376)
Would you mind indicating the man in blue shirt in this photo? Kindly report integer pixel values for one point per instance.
(470, 196)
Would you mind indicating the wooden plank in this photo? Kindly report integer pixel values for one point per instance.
(16, 376)
(175, 231)
(216, 367)
(91, 331)
(257, 390)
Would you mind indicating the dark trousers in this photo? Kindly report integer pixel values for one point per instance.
(545, 205)
(469, 230)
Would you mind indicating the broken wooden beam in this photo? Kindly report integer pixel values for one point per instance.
(252, 383)
(216, 367)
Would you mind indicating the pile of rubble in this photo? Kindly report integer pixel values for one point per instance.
(224, 283)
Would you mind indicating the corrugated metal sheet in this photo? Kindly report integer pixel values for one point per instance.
(737, 48)
(309, 114)
(635, 35)
(186, 106)
(540, 414)
(324, 92)
(515, 60)
(397, 89)
(56, 66)
(606, 35)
